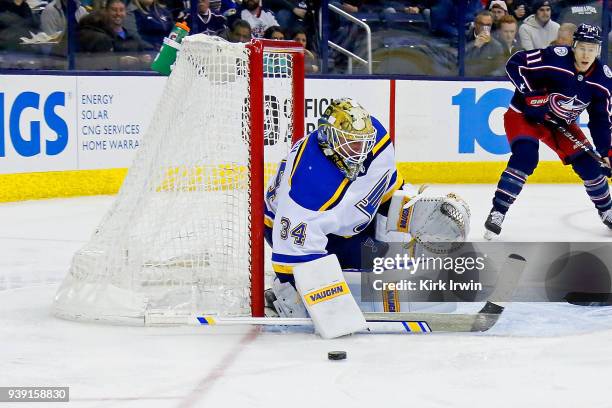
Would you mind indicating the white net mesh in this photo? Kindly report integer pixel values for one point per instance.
(177, 239)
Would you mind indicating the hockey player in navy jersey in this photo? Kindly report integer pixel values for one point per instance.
(553, 87)
(333, 193)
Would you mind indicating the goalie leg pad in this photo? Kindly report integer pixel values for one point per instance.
(327, 297)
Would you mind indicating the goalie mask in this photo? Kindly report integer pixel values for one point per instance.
(347, 134)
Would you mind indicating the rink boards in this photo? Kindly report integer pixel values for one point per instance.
(76, 135)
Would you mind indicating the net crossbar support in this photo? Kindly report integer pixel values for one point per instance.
(186, 231)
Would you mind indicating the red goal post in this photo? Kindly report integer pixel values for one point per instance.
(257, 73)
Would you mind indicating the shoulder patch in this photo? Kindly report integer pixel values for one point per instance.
(607, 71)
(560, 51)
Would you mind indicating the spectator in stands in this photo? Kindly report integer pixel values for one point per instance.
(153, 21)
(414, 6)
(565, 35)
(506, 35)
(517, 9)
(258, 18)
(275, 64)
(499, 9)
(207, 21)
(102, 44)
(483, 53)
(179, 9)
(239, 31)
(538, 30)
(94, 33)
(444, 15)
(581, 11)
(53, 17)
(311, 61)
(226, 8)
(16, 20)
(350, 6)
(274, 33)
(288, 13)
(123, 39)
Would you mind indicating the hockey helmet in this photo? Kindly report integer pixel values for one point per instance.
(347, 128)
(587, 33)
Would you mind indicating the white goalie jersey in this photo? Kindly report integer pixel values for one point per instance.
(310, 199)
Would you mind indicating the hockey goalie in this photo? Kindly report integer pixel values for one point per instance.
(337, 188)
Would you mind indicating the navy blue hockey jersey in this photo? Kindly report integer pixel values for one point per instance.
(570, 92)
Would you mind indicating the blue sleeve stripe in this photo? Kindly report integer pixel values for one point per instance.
(281, 258)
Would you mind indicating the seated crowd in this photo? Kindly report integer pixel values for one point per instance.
(133, 30)
(499, 31)
(493, 29)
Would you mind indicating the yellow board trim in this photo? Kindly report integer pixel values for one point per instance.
(337, 194)
(55, 184)
(380, 144)
(481, 172)
(327, 293)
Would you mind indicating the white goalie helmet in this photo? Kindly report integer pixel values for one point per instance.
(347, 129)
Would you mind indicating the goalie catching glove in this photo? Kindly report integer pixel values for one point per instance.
(440, 223)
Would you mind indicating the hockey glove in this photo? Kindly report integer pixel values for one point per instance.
(536, 106)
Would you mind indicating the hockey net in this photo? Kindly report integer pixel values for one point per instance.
(185, 234)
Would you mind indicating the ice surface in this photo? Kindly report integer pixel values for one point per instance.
(539, 355)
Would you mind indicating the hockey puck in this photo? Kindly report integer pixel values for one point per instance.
(336, 355)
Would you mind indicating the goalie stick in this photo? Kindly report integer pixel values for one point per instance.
(383, 322)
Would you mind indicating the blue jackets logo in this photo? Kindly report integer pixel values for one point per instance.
(31, 143)
(474, 120)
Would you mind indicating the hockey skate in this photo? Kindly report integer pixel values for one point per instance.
(493, 224)
(606, 217)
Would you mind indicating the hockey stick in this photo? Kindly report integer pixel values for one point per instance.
(587, 148)
(377, 322)
(382, 322)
